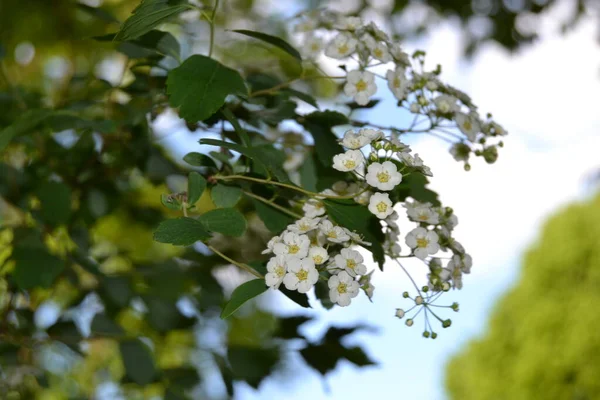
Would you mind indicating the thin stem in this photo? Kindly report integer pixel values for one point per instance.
(243, 266)
(212, 28)
(409, 277)
(272, 204)
(282, 85)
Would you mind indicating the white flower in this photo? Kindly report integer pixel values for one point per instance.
(460, 151)
(378, 33)
(348, 161)
(271, 244)
(400, 313)
(371, 134)
(317, 238)
(468, 124)
(360, 85)
(292, 244)
(335, 234)
(383, 176)
(344, 188)
(423, 242)
(342, 288)
(446, 104)
(414, 108)
(348, 23)
(399, 55)
(308, 25)
(276, 270)
(418, 164)
(301, 275)
(350, 261)
(379, 51)
(293, 161)
(398, 83)
(312, 47)
(451, 222)
(381, 205)
(366, 285)
(463, 262)
(318, 255)
(304, 225)
(355, 237)
(363, 198)
(422, 213)
(353, 140)
(341, 46)
(313, 208)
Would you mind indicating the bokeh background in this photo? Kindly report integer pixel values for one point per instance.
(536, 66)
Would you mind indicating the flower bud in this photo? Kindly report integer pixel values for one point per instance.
(454, 306)
(425, 289)
(467, 167)
(423, 101)
(409, 322)
(433, 335)
(373, 156)
(418, 300)
(387, 146)
(399, 313)
(426, 334)
(414, 108)
(405, 295)
(446, 287)
(446, 323)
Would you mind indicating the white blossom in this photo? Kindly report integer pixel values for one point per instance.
(371, 134)
(271, 244)
(381, 205)
(383, 176)
(464, 262)
(342, 288)
(348, 161)
(333, 233)
(446, 104)
(348, 23)
(360, 85)
(341, 46)
(353, 140)
(363, 198)
(422, 212)
(468, 124)
(276, 270)
(313, 45)
(423, 242)
(398, 83)
(350, 261)
(366, 285)
(292, 244)
(313, 208)
(414, 108)
(356, 238)
(318, 254)
(399, 55)
(304, 225)
(293, 161)
(301, 275)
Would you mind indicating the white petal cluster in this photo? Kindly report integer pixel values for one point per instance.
(361, 86)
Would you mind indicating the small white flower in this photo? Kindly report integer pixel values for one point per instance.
(463, 262)
(376, 32)
(342, 288)
(423, 242)
(371, 134)
(350, 261)
(301, 275)
(381, 205)
(348, 23)
(363, 198)
(400, 313)
(446, 104)
(308, 25)
(271, 244)
(423, 213)
(335, 234)
(276, 270)
(398, 83)
(399, 55)
(293, 161)
(383, 176)
(313, 208)
(304, 225)
(317, 238)
(353, 140)
(318, 255)
(415, 108)
(418, 164)
(360, 85)
(379, 51)
(366, 285)
(460, 151)
(341, 46)
(348, 161)
(451, 222)
(345, 188)
(356, 238)
(312, 47)
(468, 124)
(292, 244)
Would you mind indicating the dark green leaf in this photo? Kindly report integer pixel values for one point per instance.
(162, 42)
(171, 202)
(415, 186)
(199, 160)
(25, 123)
(302, 96)
(288, 327)
(322, 294)
(225, 196)
(104, 326)
(164, 316)
(252, 364)
(175, 394)
(299, 298)
(275, 220)
(355, 106)
(117, 289)
(242, 294)
(199, 86)
(181, 232)
(236, 126)
(196, 186)
(97, 12)
(227, 221)
(184, 377)
(308, 174)
(319, 125)
(274, 40)
(35, 267)
(148, 15)
(55, 199)
(138, 361)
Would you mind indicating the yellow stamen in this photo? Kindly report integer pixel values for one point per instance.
(383, 177)
(361, 85)
(293, 249)
(302, 275)
(342, 288)
(422, 242)
(382, 207)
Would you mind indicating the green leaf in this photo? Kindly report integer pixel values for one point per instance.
(148, 15)
(196, 186)
(25, 123)
(102, 325)
(274, 40)
(319, 124)
(299, 298)
(153, 43)
(164, 316)
(181, 231)
(237, 127)
(302, 96)
(35, 267)
(359, 219)
(55, 199)
(228, 221)
(199, 86)
(138, 361)
(170, 202)
(97, 12)
(225, 196)
(242, 294)
(308, 174)
(275, 220)
(199, 160)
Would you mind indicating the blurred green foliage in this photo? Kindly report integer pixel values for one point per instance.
(543, 340)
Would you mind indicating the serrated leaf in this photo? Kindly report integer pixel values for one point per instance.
(199, 160)
(196, 186)
(224, 196)
(148, 15)
(138, 361)
(242, 294)
(227, 221)
(275, 220)
(35, 267)
(199, 86)
(274, 40)
(181, 231)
